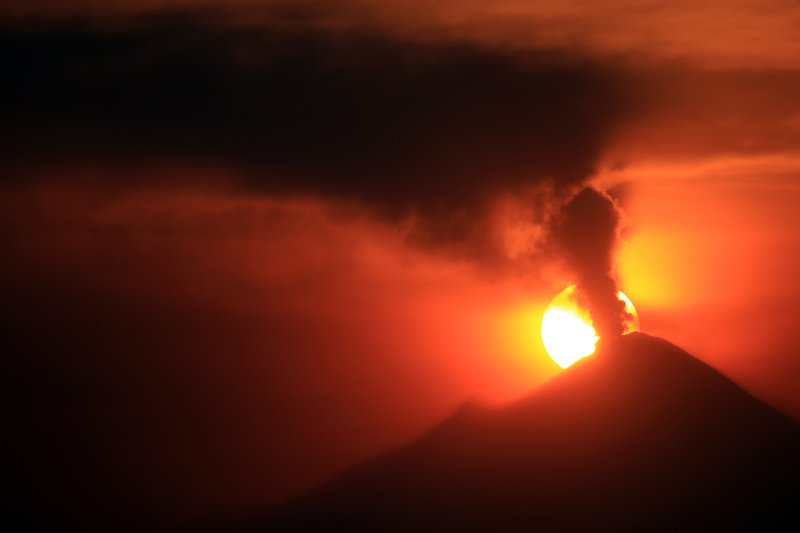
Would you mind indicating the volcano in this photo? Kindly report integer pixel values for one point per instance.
(642, 436)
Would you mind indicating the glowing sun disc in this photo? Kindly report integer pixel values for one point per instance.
(568, 333)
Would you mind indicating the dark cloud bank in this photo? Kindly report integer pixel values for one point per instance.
(434, 129)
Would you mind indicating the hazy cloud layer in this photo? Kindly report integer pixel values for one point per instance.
(438, 130)
(742, 34)
(345, 102)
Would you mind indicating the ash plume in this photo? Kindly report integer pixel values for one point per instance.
(586, 233)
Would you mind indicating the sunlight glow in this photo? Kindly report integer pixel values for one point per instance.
(567, 330)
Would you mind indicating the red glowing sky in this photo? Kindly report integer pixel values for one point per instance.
(286, 325)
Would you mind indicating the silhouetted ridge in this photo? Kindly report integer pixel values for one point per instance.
(641, 436)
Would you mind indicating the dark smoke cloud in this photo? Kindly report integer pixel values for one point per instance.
(435, 129)
(586, 233)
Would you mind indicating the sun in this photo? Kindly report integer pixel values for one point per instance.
(567, 330)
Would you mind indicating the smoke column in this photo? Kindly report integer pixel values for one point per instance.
(586, 234)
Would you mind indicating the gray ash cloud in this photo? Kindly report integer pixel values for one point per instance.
(435, 129)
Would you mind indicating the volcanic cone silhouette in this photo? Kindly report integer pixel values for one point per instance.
(640, 437)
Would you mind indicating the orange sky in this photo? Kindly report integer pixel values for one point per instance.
(284, 322)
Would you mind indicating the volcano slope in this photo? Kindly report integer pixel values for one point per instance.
(641, 436)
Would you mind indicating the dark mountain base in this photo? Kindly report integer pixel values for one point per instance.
(640, 437)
